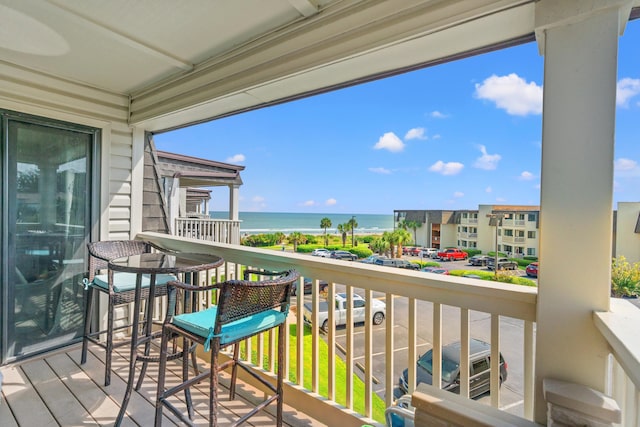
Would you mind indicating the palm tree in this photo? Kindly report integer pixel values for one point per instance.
(343, 229)
(401, 236)
(353, 224)
(413, 225)
(390, 239)
(325, 223)
(296, 238)
(379, 245)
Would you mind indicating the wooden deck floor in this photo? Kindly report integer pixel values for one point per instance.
(55, 390)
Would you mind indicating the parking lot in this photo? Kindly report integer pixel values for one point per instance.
(511, 333)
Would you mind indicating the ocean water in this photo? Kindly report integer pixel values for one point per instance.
(306, 223)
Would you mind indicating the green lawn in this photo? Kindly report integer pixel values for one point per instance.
(341, 372)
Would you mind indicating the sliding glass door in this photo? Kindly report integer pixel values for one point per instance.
(46, 221)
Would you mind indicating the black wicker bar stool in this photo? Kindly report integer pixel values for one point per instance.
(245, 308)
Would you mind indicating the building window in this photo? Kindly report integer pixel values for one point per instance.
(519, 233)
(520, 217)
(465, 215)
(508, 248)
(532, 217)
(531, 234)
(531, 251)
(508, 232)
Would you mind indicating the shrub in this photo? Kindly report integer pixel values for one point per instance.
(366, 239)
(309, 248)
(361, 251)
(472, 252)
(311, 239)
(625, 277)
(502, 277)
(521, 261)
(259, 240)
(530, 258)
(424, 264)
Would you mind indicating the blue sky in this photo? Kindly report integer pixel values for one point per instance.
(447, 137)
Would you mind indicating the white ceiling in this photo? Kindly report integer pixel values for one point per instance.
(192, 60)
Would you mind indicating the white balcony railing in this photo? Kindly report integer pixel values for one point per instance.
(619, 327)
(422, 311)
(214, 230)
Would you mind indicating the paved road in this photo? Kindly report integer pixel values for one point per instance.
(511, 337)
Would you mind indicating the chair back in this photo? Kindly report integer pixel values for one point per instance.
(100, 253)
(241, 298)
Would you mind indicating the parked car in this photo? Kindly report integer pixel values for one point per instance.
(428, 253)
(452, 254)
(436, 270)
(397, 262)
(343, 255)
(479, 260)
(411, 250)
(378, 310)
(308, 286)
(479, 368)
(503, 264)
(371, 259)
(532, 269)
(321, 252)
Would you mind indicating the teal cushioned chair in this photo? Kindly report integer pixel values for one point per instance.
(245, 308)
(120, 291)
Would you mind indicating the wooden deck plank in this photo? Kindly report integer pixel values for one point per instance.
(56, 390)
(25, 404)
(6, 416)
(63, 405)
(91, 396)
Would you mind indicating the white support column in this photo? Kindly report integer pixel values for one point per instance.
(579, 39)
(234, 191)
(137, 180)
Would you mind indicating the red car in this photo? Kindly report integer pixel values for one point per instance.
(532, 269)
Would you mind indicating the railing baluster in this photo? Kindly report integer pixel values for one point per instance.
(331, 339)
(436, 352)
(529, 370)
(390, 379)
(348, 359)
(495, 361)
(412, 337)
(300, 334)
(315, 334)
(464, 352)
(368, 353)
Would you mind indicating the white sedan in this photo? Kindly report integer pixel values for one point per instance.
(321, 252)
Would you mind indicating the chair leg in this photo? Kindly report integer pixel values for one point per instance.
(87, 324)
(234, 371)
(281, 370)
(109, 347)
(213, 385)
(185, 375)
(161, 378)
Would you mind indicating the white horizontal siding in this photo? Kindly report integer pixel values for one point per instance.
(31, 92)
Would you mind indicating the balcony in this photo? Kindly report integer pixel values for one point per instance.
(423, 311)
(213, 230)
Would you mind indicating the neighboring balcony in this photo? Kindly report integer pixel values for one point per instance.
(212, 230)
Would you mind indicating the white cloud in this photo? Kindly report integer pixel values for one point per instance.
(330, 202)
(380, 171)
(257, 199)
(488, 190)
(500, 199)
(626, 167)
(458, 194)
(415, 133)
(626, 89)
(308, 203)
(526, 176)
(389, 141)
(512, 93)
(436, 136)
(487, 161)
(438, 115)
(257, 204)
(236, 158)
(450, 168)
(537, 186)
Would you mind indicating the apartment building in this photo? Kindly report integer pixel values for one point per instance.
(518, 229)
